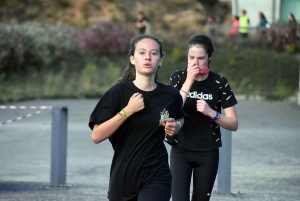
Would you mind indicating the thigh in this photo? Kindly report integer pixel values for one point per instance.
(153, 193)
(204, 175)
(181, 171)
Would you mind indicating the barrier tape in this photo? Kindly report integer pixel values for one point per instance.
(25, 107)
(13, 107)
(19, 118)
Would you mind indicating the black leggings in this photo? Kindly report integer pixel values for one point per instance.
(203, 166)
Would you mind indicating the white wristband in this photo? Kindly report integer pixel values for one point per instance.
(179, 126)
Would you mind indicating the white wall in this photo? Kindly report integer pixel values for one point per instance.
(253, 7)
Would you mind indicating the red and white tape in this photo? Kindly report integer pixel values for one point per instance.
(19, 118)
(25, 107)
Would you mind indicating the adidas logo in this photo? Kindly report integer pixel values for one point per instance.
(200, 95)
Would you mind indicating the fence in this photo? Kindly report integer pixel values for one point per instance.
(280, 37)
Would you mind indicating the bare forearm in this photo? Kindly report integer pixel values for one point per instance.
(106, 129)
(228, 121)
(185, 89)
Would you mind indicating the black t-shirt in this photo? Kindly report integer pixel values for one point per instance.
(140, 156)
(200, 132)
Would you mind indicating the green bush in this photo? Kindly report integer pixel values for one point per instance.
(254, 71)
(43, 60)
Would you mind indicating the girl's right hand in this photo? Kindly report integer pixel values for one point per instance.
(192, 71)
(135, 104)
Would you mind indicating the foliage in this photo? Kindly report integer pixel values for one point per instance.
(35, 45)
(254, 71)
(42, 45)
(106, 38)
(41, 60)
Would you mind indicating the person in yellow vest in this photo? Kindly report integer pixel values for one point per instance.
(244, 24)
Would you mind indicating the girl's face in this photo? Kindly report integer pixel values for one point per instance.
(197, 56)
(146, 57)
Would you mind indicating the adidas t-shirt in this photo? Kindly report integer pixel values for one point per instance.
(140, 156)
(200, 132)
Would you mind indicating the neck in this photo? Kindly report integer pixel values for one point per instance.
(200, 77)
(145, 84)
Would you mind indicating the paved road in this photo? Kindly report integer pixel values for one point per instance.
(265, 154)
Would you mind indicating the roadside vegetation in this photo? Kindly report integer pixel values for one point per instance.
(43, 60)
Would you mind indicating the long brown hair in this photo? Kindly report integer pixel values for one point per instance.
(129, 72)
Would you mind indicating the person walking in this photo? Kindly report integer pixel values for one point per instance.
(195, 152)
(130, 118)
(263, 23)
(244, 24)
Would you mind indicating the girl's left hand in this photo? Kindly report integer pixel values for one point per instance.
(203, 107)
(170, 127)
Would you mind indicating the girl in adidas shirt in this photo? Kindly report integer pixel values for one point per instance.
(196, 151)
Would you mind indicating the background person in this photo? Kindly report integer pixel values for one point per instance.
(204, 93)
(129, 116)
(141, 23)
(244, 24)
(234, 30)
(292, 29)
(211, 22)
(291, 19)
(263, 23)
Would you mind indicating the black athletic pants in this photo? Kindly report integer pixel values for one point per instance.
(203, 166)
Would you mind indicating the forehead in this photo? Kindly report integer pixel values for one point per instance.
(147, 43)
(197, 50)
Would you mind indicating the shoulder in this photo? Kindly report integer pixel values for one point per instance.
(178, 73)
(218, 78)
(118, 87)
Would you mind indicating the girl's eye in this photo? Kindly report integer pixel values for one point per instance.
(154, 53)
(142, 52)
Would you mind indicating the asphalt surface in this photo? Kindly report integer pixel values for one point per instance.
(265, 154)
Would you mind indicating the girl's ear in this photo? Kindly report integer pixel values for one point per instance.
(132, 61)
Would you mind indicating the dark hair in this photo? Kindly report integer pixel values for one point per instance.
(262, 16)
(293, 17)
(204, 41)
(129, 72)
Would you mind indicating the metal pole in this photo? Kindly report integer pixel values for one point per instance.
(59, 146)
(299, 85)
(234, 9)
(224, 171)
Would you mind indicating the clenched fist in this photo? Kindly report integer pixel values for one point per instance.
(204, 108)
(135, 104)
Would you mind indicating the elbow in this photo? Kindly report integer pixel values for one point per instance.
(96, 139)
(235, 127)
